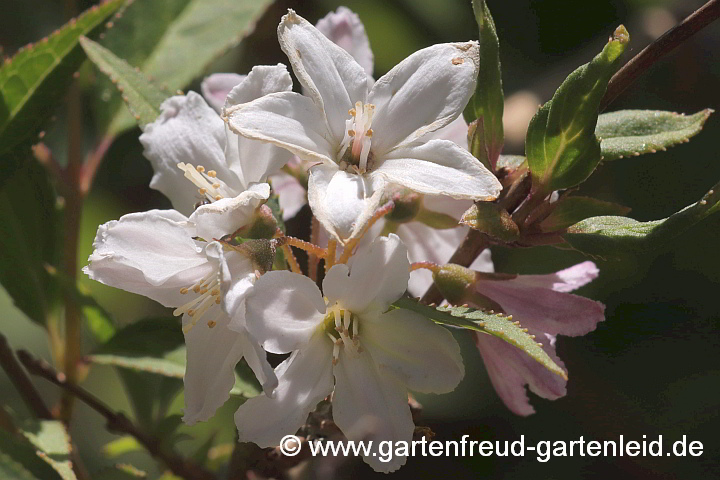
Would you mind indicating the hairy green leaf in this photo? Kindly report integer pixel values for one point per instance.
(614, 237)
(33, 81)
(570, 210)
(634, 132)
(28, 239)
(561, 146)
(52, 441)
(19, 461)
(173, 42)
(142, 97)
(480, 321)
(485, 108)
(492, 220)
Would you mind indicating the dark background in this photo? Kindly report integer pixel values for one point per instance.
(652, 368)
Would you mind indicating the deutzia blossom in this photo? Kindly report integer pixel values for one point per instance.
(365, 140)
(542, 304)
(197, 160)
(158, 254)
(346, 342)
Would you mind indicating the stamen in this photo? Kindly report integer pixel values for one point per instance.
(206, 182)
(200, 168)
(212, 173)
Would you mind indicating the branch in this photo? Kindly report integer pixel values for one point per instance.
(116, 422)
(641, 62)
(22, 383)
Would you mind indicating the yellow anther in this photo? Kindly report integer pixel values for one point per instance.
(200, 168)
(184, 291)
(211, 323)
(212, 173)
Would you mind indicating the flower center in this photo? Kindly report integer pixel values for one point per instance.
(355, 155)
(342, 326)
(205, 297)
(209, 186)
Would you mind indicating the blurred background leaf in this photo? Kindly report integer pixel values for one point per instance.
(173, 42)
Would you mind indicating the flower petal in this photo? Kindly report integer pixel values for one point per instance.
(288, 120)
(212, 354)
(378, 276)
(215, 88)
(304, 379)
(424, 356)
(456, 131)
(262, 80)
(510, 369)
(150, 253)
(566, 280)
(283, 311)
(225, 216)
(423, 93)
(331, 77)
(439, 167)
(187, 131)
(291, 195)
(541, 308)
(342, 201)
(344, 28)
(370, 403)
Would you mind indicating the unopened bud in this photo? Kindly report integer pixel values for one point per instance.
(454, 282)
(407, 206)
(263, 225)
(261, 253)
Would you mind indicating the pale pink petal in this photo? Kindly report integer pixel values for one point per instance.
(291, 195)
(510, 369)
(215, 88)
(541, 308)
(344, 28)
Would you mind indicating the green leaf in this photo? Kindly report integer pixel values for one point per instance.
(98, 319)
(561, 146)
(19, 461)
(173, 42)
(570, 210)
(485, 108)
(33, 81)
(53, 445)
(153, 345)
(634, 132)
(141, 96)
(156, 346)
(489, 323)
(492, 220)
(28, 239)
(122, 471)
(614, 237)
(121, 446)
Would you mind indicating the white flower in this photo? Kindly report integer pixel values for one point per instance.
(347, 342)
(157, 254)
(365, 140)
(197, 160)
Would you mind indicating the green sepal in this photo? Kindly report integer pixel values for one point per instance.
(492, 220)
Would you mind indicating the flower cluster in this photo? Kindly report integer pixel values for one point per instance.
(385, 168)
